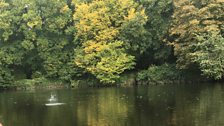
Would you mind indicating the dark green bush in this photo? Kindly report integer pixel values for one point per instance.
(156, 74)
(6, 78)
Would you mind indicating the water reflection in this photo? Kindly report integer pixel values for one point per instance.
(170, 105)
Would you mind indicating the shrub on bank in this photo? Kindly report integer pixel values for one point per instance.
(6, 78)
(38, 83)
(166, 73)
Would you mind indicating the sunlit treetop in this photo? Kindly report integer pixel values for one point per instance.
(93, 20)
(100, 28)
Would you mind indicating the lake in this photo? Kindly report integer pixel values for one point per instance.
(163, 105)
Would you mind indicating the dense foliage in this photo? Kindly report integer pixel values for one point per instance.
(159, 74)
(106, 30)
(209, 54)
(67, 40)
(197, 35)
(192, 18)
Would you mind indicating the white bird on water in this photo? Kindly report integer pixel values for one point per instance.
(52, 98)
(53, 101)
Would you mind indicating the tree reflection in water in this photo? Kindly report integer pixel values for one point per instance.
(167, 105)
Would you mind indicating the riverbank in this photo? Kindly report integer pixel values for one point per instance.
(36, 84)
(154, 75)
(127, 80)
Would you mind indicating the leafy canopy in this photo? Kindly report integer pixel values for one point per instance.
(34, 37)
(197, 35)
(101, 27)
(209, 54)
(190, 19)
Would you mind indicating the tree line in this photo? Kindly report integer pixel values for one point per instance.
(70, 39)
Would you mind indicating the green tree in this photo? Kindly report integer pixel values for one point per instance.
(103, 31)
(156, 50)
(208, 53)
(192, 18)
(35, 36)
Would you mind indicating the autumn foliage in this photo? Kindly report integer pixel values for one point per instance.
(102, 39)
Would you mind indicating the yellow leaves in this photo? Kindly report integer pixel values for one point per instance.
(3, 4)
(188, 12)
(78, 63)
(99, 25)
(131, 14)
(188, 7)
(90, 19)
(194, 22)
(210, 22)
(33, 20)
(142, 13)
(107, 34)
(64, 9)
(179, 3)
(75, 2)
(104, 60)
(211, 28)
(83, 27)
(220, 1)
(176, 46)
(212, 25)
(134, 14)
(31, 24)
(191, 19)
(91, 69)
(92, 46)
(100, 21)
(81, 11)
(125, 3)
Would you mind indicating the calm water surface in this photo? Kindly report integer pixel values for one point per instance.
(169, 105)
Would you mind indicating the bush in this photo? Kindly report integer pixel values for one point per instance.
(31, 82)
(37, 74)
(6, 78)
(157, 74)
(41, 82)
